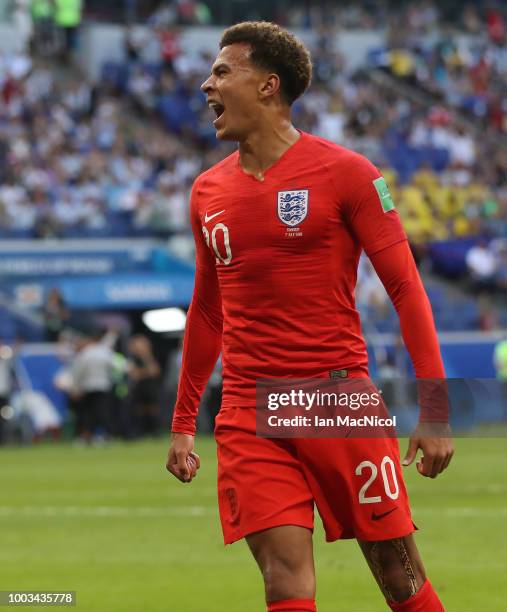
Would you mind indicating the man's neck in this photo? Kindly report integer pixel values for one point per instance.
(263, 148)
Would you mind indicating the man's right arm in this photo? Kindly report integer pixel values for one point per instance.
(203, 331)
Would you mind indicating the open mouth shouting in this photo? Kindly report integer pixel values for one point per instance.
(218, 108)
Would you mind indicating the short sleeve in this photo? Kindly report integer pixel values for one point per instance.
(368, 206)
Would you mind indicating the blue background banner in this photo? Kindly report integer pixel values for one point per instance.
(123, 276)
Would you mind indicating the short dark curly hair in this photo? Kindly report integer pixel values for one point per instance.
(275, 49)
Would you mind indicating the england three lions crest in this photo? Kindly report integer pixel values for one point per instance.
(293, 206)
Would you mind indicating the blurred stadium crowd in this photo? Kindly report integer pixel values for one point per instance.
(116, 157)
(89, 159)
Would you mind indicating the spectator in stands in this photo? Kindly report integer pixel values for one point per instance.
(44, 27)
(482, 266)
(23, 24)
(144, 373)
(461, 148)
(68, 18)
(165, 15)
(166, 210)
(170, 47)
(141, 87)
(134, 41)
(496, 24)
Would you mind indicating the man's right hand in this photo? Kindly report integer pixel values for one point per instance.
(182, 462)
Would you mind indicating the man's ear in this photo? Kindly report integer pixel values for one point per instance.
(270, 86)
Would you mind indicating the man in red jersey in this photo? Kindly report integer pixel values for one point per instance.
(279, 226)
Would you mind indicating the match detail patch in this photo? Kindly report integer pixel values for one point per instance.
(383, 193)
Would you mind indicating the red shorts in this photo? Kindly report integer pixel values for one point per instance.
(356, 483)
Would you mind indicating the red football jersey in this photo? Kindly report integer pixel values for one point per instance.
(283, 253)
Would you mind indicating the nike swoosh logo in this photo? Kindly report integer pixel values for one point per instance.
(377, 517)
(206, 218)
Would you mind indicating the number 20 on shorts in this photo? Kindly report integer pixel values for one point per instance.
(369, 465)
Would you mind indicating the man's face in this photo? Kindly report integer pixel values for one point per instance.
(233, 92)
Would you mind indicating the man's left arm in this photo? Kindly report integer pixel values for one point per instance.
(397, 270)
(372, 217)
